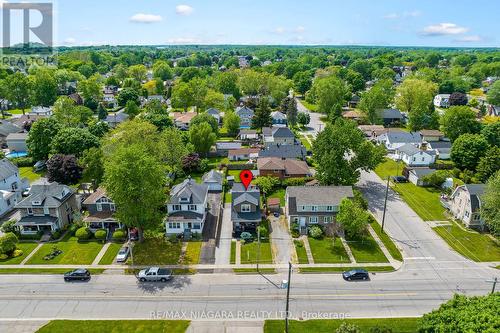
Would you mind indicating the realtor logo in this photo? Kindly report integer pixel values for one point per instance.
(43, 32)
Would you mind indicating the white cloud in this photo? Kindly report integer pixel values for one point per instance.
(414, 13)
(442, 29)
(469, 39)
(183, 40)
(69, 41)
(300, 29)
(184, 10)
(391, 16)
(279, 30)
(145, 18)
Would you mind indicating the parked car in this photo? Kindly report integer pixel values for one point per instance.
(133, 234)
(80, 274)
(39, 166)
(123, 254)
(399, 179)
(356, 274)
(152, 274)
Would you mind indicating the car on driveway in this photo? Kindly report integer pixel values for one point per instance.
(153, 274)
(356, 274)
(123, 254)
(80, 274)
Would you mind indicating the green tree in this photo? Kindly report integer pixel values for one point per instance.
(205, 118)
(493, 96)
(73, 141)
(289, 107)
(331, 94)
(40, 138)
(232, 123)
(138, 72)
(262, 116)
(227, 83)
(70, 115)
(92, 161)
(377, 98)
(102, 114)
(202, 137)
(347, 328)
(63, 169)
(353, 218)
(302, 82)
(303, 118)
(463, 314)
(490, 204)
(491, 132)
(415, 97)
(175, 149)
(98, 128)
(132, 109)
(136, 131)
(44, 87)
(199, 90)
(182, 96)
(458, 120)
(467, 150)
(8, 243)
(18, 90)
(266, 184)
(162, 70)
(127, 94)
(341, 152)
(91, 89)
(214, 99)
(134, 179)
(489, 163)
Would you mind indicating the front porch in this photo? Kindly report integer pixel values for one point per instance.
(95, 222)
(30, 225)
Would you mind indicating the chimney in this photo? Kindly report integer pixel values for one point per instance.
(423, 146)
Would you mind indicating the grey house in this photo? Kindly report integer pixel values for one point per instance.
(213, 179)
(246, 115)
(391, 116)
(296, 150)
(278, 136)
(245, 209)
(214, 113)
(101, 210)
(310, 205)
(47, 208)
(465, 205)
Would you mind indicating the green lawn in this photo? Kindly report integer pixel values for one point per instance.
(366, 250)
(311, 107)
(28, 172)
(105, 326)
(301, 252)
(44, 270)
(249, 253)
(324, 251)
(26, 248)
(192, 256)
(156, 252)
(389, 168)
(74, 252)
(254, 271)
(471, 244)
(235, 174)
(279, 193)
(305, 142)
(110, 254)
(343, 269)
(227, 197)
(18, 111)
(389, 244)
(397, 325)
(232, 259)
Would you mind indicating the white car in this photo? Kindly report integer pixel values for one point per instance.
(123, 254)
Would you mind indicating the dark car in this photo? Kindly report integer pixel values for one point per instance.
(356, 274)
(399, 179)
(77, 275)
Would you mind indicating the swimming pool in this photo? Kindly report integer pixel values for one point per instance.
(15, 154)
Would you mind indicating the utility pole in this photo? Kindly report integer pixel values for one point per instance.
(494, 281)
(385, 202)
(288, 295)
(258, 248)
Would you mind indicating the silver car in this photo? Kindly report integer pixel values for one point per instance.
(123, 254)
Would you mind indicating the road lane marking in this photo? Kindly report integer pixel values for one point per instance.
(419, 258)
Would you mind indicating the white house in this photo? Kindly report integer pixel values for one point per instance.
(11, 186)
(392, 140)
(187, 208)
(465, 204)
(414, 156)
(416, 175)
(41, 111)
(442, 100)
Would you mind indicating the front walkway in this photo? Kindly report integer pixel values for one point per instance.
(28, 257)
(101, 253)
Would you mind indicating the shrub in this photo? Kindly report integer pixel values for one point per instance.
(8, 226)
(436, 179)
(315, 232)
(246, 236)
(204, 165)
(8, 243)
(4, 257)
(295, 233)
(23, 161)
(101, 234)
(17, 253)
(118, 234)
(83, 233)
(36, 236)
(295, 181)
(56, 234)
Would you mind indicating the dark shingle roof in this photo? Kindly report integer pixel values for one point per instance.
(196, 193)
(390, 114)
(319, 195)
(50, 195)
(284, 151)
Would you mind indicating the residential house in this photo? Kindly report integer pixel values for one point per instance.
(296, 150)
(101, 209)
(391, 117)
(353, 115)
(279, 118)
(311, 205)
(77, 98)
(7, 128)
(110, 100)
(465, 204)
(442, 100)
(431, 135)
(416, 175)
(243, 154)
(187, 208)
(282, 168)
(41, 111)
(183, 119)
(159, 98)
(279, 136)
(246, 213)
(442, 148)
(25, 121)
(248, 134)
(223, 147)
(246, 115)
(115, 119)
(353, 103)
(372, 131)
(47, 208)
(415, 156)
(213, 179)
(11, 186)
(17, 142)
(214, 113)
(397, 138)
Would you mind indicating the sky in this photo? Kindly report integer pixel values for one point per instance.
(437, 23)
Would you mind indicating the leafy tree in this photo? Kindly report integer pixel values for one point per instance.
(91, 89)
(227, 83)
(18, 90)
(63, 169)
(458, 120)
(231, 123)
(8, 244)
(262, 116)
(436, 179)
(102, 114)
(73, 141)
(191, 162)
(377, 98)
(162, 70)
(331, 94)
(493, 96)
(205, 118)
(302, 82)
(182, 96)
(134, 179)
(266, 184)
(490, 204)
(464, 314)
(132, 109)
(98, 128)
(214, 99)
(127, 94)
(303, 118)
(175, 149)
(467, 150)
(202, 137)
(458, 98)
(415, 97)
(491, 132)
(44, 87)
(40, 138)
(160, 120)
(489, 163)
(289, 107)
(70, 115)
(341, 152)
(199, 89)
(353, 218)
(138, 72)
(92, 162)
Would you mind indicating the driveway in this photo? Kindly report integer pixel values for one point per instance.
(223, 247)
(207, 253)
(281, 240)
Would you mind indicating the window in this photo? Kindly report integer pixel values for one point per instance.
(192, 207)
(197, 226)
(313, 219)
(14, 186)
(423, 159)
(329, 208)
(112, 207)
(184, 199)
(314, 208)
(174, 225)
(245, 208)
(328, 219)
(99, 207)
(30, 211)
(188, 225)
(176, 207)
(46, 210)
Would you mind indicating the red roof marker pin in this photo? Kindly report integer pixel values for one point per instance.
(246, 177)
